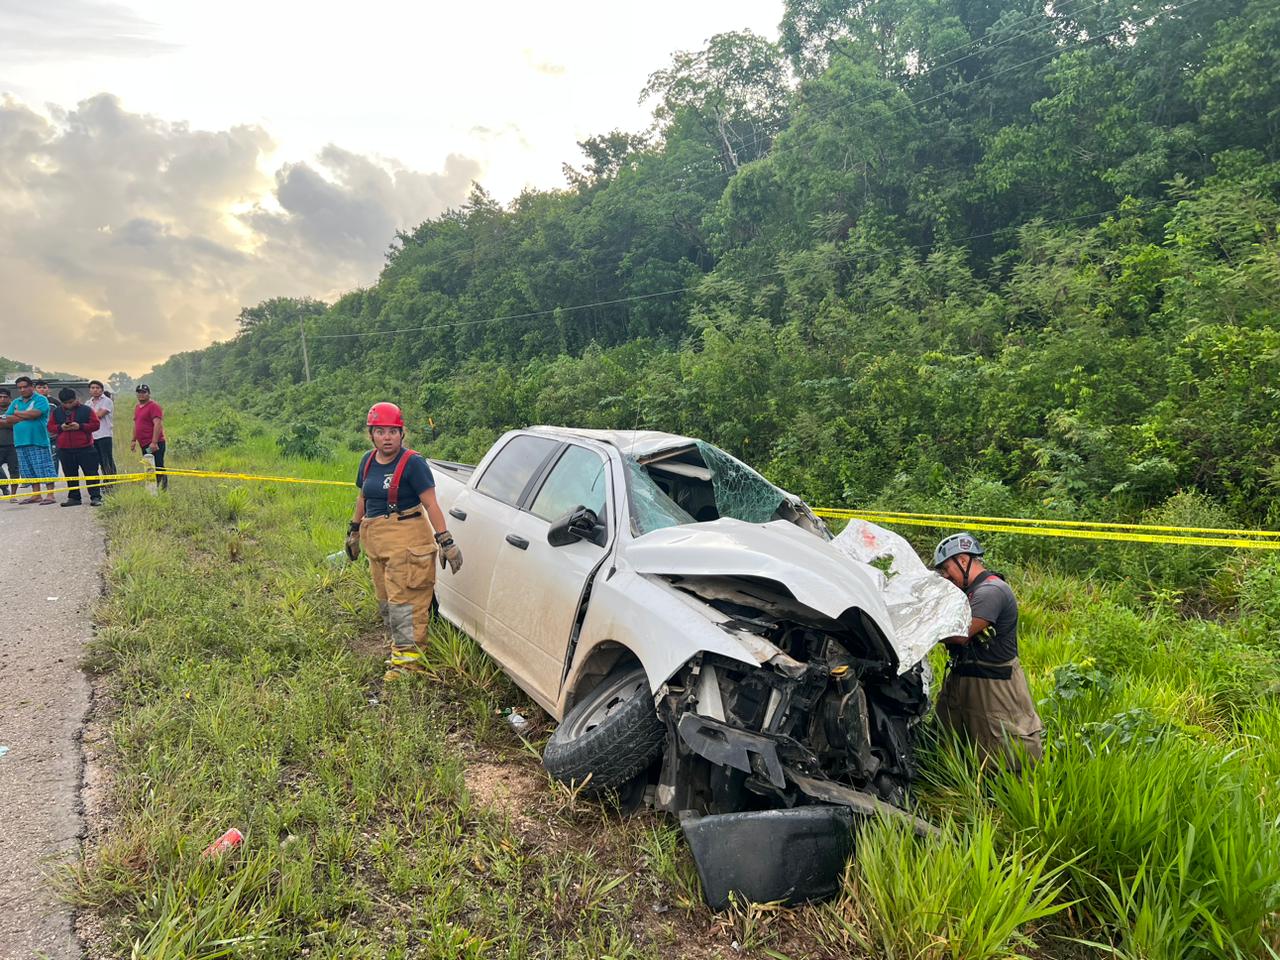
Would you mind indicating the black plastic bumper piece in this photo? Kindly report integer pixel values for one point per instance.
(794, 855)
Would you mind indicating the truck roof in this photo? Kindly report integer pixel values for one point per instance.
(637, 443)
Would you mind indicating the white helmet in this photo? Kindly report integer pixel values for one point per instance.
(954, 546)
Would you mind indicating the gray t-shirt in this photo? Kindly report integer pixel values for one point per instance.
(993, 601)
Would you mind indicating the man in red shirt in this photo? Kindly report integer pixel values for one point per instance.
(148, 430)
(73, 424)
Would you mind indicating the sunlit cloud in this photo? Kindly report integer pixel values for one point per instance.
(125, 237)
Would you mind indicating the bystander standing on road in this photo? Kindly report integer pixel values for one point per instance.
(42, 388)
(8, 454)
(148, 430)
(74, 424)
(101, 403)
(28, 414)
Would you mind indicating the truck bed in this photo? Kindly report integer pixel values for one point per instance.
(459, 471)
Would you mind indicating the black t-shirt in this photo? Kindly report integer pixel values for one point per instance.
(376, 487)
(993, 601)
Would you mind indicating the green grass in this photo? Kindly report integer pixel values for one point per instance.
(243, 675)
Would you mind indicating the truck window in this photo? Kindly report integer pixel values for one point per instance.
(578, 479)
(514, 465)
(698, 484)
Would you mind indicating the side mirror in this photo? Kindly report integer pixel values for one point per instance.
(580, 523)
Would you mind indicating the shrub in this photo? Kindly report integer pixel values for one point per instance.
(303, 440)
(225, 431)
(1171, 572)
(1136, 725)
(1260, 591)
(1079, 693)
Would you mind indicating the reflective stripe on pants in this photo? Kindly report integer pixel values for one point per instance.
(402, 559)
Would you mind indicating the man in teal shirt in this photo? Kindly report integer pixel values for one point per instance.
(29, 417)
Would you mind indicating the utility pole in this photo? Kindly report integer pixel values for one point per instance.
(306, 363)
(186, 368)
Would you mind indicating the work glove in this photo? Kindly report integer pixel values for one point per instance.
(353, 541)
(450, 552)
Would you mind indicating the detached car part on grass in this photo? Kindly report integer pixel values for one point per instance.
(723, 654)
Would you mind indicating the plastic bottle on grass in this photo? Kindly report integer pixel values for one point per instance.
(228, 841)
(149, 465)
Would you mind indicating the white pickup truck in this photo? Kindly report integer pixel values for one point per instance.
(691, 626)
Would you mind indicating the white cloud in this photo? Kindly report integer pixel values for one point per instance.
(125, 237)
(162, 230)
(83, 28)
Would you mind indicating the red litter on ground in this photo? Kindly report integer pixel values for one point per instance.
(229, 840)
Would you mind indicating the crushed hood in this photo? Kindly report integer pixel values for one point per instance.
(817, 575)
(925, 607)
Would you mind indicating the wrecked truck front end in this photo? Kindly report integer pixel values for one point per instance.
(785, 698)
(779, 745)
(775, 745)
(808, 700)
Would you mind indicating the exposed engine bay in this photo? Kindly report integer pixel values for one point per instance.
(827, 716)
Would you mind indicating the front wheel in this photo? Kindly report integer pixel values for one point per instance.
(611, 735)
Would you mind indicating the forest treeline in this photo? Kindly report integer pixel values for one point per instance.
(913, 249)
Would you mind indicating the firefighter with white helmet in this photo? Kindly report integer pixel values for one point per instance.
(985, 696)
(400, 525)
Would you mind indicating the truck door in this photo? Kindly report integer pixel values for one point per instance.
(479, 517)
(537, 587)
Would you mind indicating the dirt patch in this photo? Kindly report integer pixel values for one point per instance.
(371, 644)
(511, 788)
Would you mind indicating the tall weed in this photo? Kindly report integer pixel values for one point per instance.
(1169, 848)
(961, 894)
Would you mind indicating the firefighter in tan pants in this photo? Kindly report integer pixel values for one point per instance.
(985, 696)
(395, 516)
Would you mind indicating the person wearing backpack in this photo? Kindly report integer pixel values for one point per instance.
(401, 528)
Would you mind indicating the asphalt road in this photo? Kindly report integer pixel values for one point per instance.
(51, 579)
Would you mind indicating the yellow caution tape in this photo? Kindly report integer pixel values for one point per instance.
(1041, 522)
(1033, 531)
(61, 488)
(218, 475)
(105, 476)
(1026, 526)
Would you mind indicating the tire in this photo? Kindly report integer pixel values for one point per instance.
(612, 734)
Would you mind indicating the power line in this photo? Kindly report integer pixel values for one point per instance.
(677, 291)
(512, 316)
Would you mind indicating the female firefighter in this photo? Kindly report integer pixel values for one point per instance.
(397, 499)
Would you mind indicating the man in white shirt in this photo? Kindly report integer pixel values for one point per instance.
(102, 405)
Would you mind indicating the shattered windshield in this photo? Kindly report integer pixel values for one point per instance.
(650, 507)
(696, 485)
(740, 491)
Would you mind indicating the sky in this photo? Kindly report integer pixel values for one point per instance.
(163, 164)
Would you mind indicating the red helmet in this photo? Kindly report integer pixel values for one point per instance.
(385, 415)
